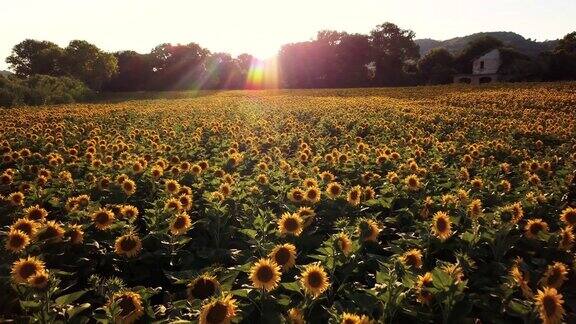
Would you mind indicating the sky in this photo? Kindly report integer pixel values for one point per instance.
(261, 27)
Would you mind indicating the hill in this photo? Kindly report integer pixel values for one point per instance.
(5, 73)
(457, 44)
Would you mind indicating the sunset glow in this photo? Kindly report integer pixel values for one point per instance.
(263, 74)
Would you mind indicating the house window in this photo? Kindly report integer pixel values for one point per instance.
(481, 65)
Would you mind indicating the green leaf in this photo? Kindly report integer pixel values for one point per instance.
(519, 307)
(77, 310)
(292, 286)
(70, 298)
(441, 279)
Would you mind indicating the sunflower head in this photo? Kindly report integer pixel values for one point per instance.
(128, 245)
(555, 275)
(343, 243)
(333, 190)
(50, 231)
(350, 318)
(265, 274)
(354, 196)
(295, 316)
(76, 234)
(25, 225)
(534, 227)
(17, 241)
(23, 269)
(180, 224)
(218, 311)
(549, 303)
(368, 230)
(290, 224)
(412, 258)
(103, 219)
(130, 306)
(314, 280)
(203, 287)
(35, 213)
(441, 225)
(423, 282)
(39, 280)
(284, 255)
(568, 216)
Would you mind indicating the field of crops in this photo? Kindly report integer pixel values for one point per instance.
(430, 204)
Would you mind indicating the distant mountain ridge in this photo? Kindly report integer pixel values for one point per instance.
(511, 39)
(5, 73)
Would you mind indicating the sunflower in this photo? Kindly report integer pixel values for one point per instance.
(103, 219)
(307, 214)
(50, 231)
(566, 238)
(129, 187)
(412, 258)
(172, 186)
(35, 213)
(25, 225)
(392, 177)
(39, 280)
(534, 227)
(344, 243)
(441, 225)
(549, 303)
(16, 198)
(369, 193)
(129, 212)
(412, 182)
(173, 204)
(312, 195)
(76, 234)
(475, 208)
(333, 190)
(555, 275)
(354, 196)
(128, 245)
(454, 271)
(295, 316)
(284, 255)
(309, 182)
(314, 280)
(25, 268)
(290, 224)
(16, 241)
(568, 216)
(265, 274)
(521, 280)
(180, 224)
(349, 318)
(296, 195)
(423, 282)
(205, 286)
(368, 230)
(130, 304)
(220, 311)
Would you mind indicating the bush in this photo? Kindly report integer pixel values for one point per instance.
(41, 90)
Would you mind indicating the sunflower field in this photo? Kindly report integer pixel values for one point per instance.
(411, 205)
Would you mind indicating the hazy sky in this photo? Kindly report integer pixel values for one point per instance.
(260, 27)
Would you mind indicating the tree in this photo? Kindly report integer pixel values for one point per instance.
(178, 66)
(87, 63)
(134, 72)
(31, 57)
(561, 63)
(437, 66)
(392, 48)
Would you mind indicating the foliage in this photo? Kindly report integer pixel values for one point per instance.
(41, 90)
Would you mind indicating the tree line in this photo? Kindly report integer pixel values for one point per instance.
(387, 56)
